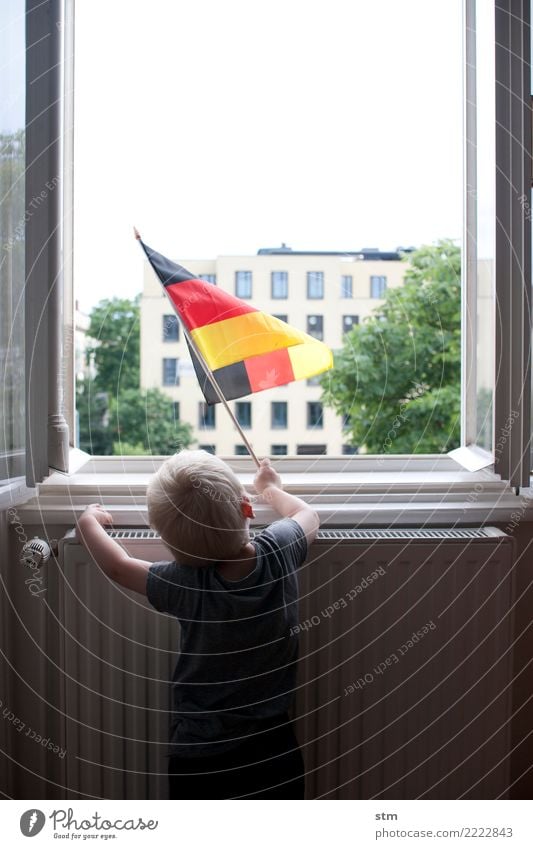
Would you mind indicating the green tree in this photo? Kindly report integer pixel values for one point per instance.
(397, 377)
(114, 326)
(115, 415)
(146, 419)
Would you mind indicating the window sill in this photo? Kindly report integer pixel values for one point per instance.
(345, 491)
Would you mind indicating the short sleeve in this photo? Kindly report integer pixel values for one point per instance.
(286, 541)
(163, 589)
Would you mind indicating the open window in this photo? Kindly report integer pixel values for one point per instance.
(496, 272)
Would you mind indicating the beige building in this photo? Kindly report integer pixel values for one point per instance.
(321, 293)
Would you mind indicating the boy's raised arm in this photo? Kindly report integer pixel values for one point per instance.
(108, 554)
(268, 484)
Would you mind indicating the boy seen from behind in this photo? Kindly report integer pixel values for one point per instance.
(236, 600)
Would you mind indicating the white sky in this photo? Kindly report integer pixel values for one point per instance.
(223, 126)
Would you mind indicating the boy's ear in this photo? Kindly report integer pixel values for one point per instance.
(247, 509)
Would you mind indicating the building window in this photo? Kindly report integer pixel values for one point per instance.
(279, 284)
(282, 317)
(350, 449)
(243, 413)
(171, 328)
(241, 450)
(176, 411)
(211, 449)
(346, 286)
(243, 284)
(206, 416)
(170, 371)
(378, 284)
(209, 278)
(310, 449)
(315, 326)
(278, 414)
(349, 322)
(314, 414)
(278, 450)
(315, 284)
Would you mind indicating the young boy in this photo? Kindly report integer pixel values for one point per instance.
(237, 604)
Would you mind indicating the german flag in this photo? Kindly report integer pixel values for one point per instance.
(247, 350)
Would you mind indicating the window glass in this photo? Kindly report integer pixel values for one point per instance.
(243, 412)
(314, 414)
(279, 282)
(349, 322)
(243, 284)
(315, 284)
(171, 328)
(170, 371)
(315, 326)
(346, 285)
(227, 204)
(378, 285)
(206, 415)
(12, 147)
(279, 414)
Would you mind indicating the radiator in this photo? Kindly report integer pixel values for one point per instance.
(404, 679)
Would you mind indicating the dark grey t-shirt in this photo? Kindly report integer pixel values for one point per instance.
(237, 662)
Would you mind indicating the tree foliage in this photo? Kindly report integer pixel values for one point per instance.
(397, 377)
(115, 415)
(114, 327)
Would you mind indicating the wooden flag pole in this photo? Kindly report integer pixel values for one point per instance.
(211, 378)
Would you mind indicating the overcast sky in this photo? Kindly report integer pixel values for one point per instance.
(223, 126)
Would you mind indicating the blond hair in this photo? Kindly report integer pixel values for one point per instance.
(195, 504)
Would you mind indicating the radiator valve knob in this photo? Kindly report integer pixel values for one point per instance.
(36, 552)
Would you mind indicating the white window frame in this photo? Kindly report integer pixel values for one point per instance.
(405, 480)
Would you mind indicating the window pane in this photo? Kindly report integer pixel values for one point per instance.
(346, 286)
(206, 415)
(243, 284)
(350, 449)
(348, 322)
(170, 371)
(314, 414)
(315, 326)
(279, 414)
(243, 413)
(326, 188)
(311, 449)
(211, 449)
(278, 450)
(281, 316)
(171, 328)
(378, 284)
(279, 282)
(12, 122)
(241, 450)
(315, 284)
(486, 211)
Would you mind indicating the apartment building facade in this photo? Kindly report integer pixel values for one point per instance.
(322, 293)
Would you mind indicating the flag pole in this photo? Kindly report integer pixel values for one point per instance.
(210, 376)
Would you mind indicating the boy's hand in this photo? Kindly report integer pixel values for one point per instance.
(266, 476)
(101, 515)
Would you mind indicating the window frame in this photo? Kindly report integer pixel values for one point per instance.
(513, 157)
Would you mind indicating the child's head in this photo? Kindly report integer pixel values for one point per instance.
(195, 502)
